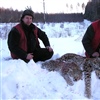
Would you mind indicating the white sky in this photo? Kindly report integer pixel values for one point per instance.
(51, 6)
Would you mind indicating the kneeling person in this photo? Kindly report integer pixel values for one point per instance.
(23, 40)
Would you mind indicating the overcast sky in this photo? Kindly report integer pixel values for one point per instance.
(51, 6)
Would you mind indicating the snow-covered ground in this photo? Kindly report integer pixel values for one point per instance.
(21, 81)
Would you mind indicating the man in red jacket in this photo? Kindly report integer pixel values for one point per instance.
(91, 40)
(23, 40)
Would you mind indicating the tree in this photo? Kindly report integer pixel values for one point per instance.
(91, 10)
(83, 6)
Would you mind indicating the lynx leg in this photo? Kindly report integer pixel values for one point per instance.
(68, 80)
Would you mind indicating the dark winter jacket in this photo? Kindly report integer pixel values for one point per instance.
(19, 46)
(91, 39)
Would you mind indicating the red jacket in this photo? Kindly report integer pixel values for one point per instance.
(23, 40)
(96, 39)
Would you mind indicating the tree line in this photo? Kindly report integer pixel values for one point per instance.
(10, 15)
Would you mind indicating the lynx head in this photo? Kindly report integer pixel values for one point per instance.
(72, 70)
(53, 65)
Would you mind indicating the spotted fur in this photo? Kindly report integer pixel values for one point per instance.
(69, 70)
(70, 65)
(71, 57)
(90, 64)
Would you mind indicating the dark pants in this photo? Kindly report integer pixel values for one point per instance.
(42, 54)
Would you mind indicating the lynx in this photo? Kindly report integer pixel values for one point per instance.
(69, 70)
(87, 65)
(71, 65)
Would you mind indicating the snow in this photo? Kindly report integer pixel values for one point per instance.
(28, 81)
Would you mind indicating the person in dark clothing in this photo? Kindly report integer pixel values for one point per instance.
(91, 39)
(23, 40)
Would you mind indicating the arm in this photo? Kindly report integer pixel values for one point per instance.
(42, 36)
(13, 44)
(44, 39)
(87, 40)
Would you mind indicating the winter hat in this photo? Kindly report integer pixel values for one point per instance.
(27, 12)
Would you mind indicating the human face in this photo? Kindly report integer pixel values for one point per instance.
(27, 19)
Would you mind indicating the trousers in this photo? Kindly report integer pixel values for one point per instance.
(42, 54)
